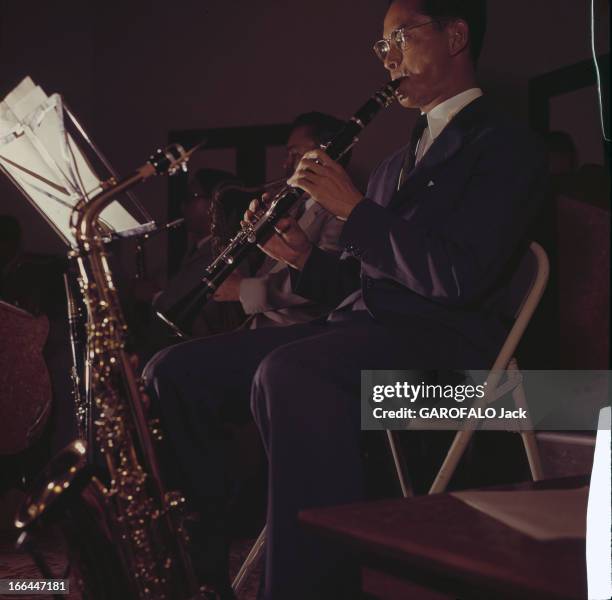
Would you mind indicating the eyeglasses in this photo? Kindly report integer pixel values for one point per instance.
(398, 38)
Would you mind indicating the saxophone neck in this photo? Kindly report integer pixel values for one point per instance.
(87, 211)
(87, 224)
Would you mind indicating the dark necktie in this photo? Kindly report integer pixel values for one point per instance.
(410, 160)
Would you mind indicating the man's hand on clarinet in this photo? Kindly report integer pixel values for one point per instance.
(327, 183)
(289, 244)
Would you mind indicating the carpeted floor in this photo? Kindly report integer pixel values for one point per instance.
(15, 564)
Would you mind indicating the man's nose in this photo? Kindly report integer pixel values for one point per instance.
(393, 59)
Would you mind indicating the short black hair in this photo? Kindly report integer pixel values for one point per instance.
(473, 12)
(323, 128)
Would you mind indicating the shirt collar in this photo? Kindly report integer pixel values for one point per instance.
(440, 115)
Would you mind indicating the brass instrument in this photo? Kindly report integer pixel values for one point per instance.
(140, 521)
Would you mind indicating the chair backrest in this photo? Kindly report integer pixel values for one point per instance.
(523, 295)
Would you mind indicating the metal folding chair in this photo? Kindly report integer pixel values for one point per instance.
(526, 289)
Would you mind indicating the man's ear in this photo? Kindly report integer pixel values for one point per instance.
(458, 36)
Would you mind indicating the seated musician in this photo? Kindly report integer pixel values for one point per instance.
(259, 295)
(427, 250)
(207, 224)
(267, 297)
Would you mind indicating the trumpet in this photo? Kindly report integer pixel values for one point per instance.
(178, 313)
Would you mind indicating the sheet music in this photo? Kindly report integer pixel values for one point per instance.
(46, 163)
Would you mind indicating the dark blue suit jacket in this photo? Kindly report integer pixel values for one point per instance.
(443, 247)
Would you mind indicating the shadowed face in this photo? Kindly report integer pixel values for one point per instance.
(197, 212)
(425, 62)
(300, 141)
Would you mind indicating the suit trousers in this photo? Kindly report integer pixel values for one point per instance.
(302, 384)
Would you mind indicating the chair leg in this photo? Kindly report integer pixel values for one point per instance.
(462, 439)
(528, 437)
(249, 562)
(533, 455)
(449, 466)
(400, 463)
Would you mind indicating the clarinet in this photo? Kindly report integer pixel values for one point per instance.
(178, 313)
(78, 371)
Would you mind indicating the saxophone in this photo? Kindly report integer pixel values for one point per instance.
(142, 521)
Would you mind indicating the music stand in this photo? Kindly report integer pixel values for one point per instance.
(49, 157)
(53, 167)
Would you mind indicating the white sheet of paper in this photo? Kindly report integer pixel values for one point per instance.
(599, 517)
(46, 163)
(541, 514)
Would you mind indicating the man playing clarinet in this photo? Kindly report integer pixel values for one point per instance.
(427, 250)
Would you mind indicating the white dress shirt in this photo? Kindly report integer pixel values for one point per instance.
(440, 116)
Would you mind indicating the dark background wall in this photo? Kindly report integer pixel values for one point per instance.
(135, 70)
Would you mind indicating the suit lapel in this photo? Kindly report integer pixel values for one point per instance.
(445, 146)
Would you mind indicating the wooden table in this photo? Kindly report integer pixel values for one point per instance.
(441, 543)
